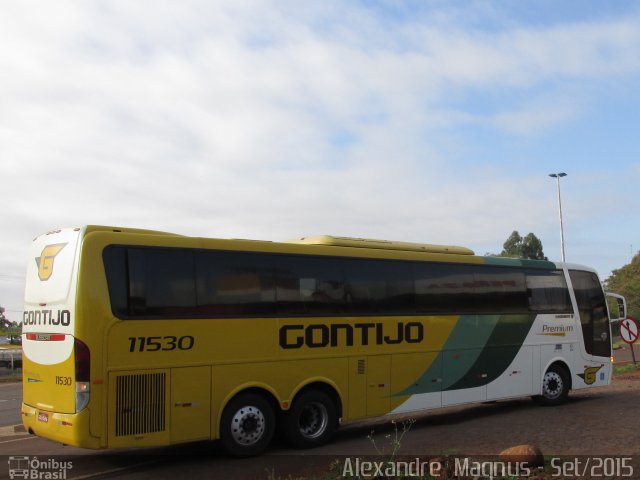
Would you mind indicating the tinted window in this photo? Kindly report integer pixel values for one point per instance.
(161, 282)
(115, 260)
(171, 282)
(547, 291)
(308, 285)
(500, 290)
(444, 288)
(375, 286)
(234, 283)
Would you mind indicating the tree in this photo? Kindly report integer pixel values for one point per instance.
(4, 321)
(512, 247)
(529, 247)
(626, 282)
(532, 248)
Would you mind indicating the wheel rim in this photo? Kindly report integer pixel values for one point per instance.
(248, 425)
(314, 419)
(553, 385)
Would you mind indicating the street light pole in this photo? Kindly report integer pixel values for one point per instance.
(558, 176)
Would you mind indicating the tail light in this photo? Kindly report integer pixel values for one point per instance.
(82, 358)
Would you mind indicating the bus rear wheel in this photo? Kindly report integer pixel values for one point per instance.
(311, 421)
(247, 425)
(555, 386)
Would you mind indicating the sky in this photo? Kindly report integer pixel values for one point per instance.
(421, 121)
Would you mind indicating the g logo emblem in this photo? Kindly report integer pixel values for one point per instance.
(589, 375)
(45, 260)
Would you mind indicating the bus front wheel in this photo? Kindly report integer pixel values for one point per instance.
(247, 425)
(555, 386)
(311, 421)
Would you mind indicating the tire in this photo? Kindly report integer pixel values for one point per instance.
(311, 421)
(555, 386)
(247, 425)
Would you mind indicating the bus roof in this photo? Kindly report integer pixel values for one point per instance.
(321, 240)
(103, 228)
(328, 240)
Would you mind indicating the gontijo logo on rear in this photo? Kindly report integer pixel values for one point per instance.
(46, 258)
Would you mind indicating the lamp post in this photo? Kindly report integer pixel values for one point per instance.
(558, 176)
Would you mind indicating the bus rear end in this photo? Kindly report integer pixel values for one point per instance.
(56, 381)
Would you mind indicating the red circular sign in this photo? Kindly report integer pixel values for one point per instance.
(629, 330)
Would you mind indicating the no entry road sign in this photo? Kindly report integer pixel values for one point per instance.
(629, 330)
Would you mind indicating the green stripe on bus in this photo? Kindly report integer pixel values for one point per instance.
(519, 262)
(501, 348)
(460, 351)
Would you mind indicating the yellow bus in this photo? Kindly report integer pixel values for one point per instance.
(141, 338)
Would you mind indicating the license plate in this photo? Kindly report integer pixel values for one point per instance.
(43, 417)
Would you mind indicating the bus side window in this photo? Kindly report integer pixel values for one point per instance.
(115, 262)
(308, 285)
(161, 282)
(234, 284)
(548, 292)
(445, 288)
(377, 286)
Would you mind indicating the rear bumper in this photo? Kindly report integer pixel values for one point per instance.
(67, 428)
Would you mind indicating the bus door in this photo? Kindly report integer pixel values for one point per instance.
(594, 317)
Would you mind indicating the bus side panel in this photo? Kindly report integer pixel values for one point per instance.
(517, 380)
(407, 375)
(190, 404)
(464, 373)
(378, 384)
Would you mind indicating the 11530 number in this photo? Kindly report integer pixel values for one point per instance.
(156, 344)
(64, 381)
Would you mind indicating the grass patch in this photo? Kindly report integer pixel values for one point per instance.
(626, 368)
(619, 344)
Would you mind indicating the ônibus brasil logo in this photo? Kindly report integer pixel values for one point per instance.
(35, 469)
(45, 260)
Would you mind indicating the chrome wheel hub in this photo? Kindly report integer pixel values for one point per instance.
(314, 420)
(552, 385)
(247, 425)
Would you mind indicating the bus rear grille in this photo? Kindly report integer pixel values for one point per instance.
(140, 403)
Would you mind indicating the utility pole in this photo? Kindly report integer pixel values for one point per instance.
(558, 176)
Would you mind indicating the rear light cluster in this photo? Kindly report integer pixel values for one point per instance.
(82, 358)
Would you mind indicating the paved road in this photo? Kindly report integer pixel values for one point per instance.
(10, 400)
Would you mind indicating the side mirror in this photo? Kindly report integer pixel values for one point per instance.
(621, 303)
